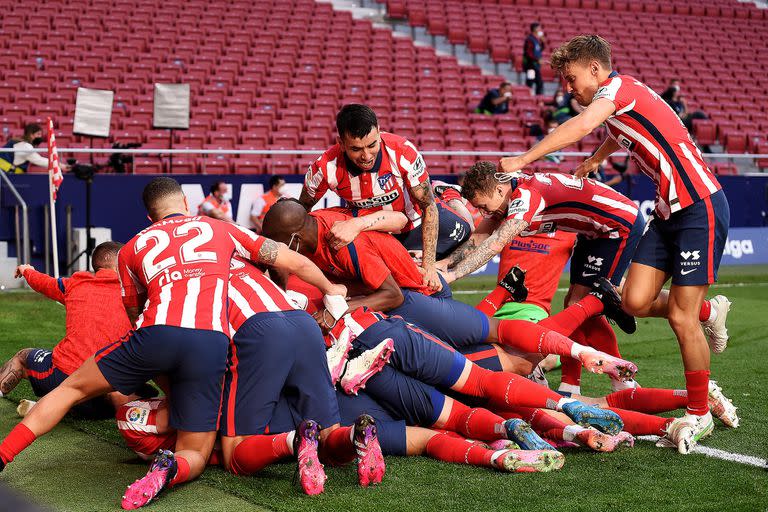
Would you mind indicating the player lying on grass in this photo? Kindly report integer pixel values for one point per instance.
(685, 239)
(386, 269)
(428, 359)
(174, 278)
(95, 317)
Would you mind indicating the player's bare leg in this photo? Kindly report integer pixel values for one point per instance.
(13, 371)
(640, 292)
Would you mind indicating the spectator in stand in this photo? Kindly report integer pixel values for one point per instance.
(676, 100)
(263, 203)
(496, 101)
(563, 106)
(216, 204)
(17, 163)
(533, 50)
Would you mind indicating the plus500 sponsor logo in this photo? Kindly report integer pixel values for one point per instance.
(737, 248)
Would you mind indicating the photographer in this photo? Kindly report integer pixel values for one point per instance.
(18, 162)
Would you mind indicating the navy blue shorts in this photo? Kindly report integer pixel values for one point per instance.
(277, 354)
(483, 355)
(604, 257)
(404, 397)
(193, 359)
(452, 321)
(44, 378)
(390, 429)
(453, 231)
(417, 353)
(688, 246)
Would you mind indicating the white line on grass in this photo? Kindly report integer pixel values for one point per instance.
(720, 454)
(724, 285)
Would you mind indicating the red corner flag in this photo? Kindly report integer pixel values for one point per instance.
(54, 169)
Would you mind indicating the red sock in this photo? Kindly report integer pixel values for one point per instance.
(641, 424)
(599, 334)
(570, 371)
(182, 471)
(533, 338)
(216, 458)
(544, 424)
(338, 449)
(648, 400)
(504, 389)
(493, 301)
(697, 384)
(458, 450)
(258, 452)
(705, 311)
(571, 318)
(16, 441)
(477, 423)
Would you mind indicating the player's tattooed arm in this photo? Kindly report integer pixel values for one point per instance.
(490, 247)
(268, 252)
(459, 253)
(307, 200)
(423, 196)
(344, 232)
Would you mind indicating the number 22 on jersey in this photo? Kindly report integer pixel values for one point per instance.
(188, 252)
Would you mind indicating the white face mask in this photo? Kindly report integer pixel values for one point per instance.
(540, 33)
(226, 196)
(281, 191)
(290, 242)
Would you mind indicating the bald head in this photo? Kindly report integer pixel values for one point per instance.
(288, 219)
(163, 196)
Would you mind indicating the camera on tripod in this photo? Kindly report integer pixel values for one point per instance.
(118, 161)
(83, 172)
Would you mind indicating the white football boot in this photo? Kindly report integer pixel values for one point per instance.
(721, 406)
(716, 330)
(686, 432)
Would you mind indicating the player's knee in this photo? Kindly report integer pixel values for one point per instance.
(682, 322)
(635, 304)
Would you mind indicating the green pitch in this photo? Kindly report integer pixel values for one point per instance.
(82, 466)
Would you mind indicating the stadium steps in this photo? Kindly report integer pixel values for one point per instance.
(7, 268)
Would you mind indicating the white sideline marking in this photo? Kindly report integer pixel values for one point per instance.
(720, 454)
(724, 285)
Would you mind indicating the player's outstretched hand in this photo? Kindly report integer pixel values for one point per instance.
(511, 164)
(343, 233)
(585, 168)
(431, 279)
(21, 269)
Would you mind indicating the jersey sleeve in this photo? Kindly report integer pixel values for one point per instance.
(316, 181)
(524, 204)
(130, 286)
(617, 91)
(366, 263)
(46, 285)
(247, 243)
(413, 166)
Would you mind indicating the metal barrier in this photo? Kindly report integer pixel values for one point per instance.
(24, 219)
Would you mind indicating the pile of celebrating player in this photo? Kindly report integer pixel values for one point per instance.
(333, 337)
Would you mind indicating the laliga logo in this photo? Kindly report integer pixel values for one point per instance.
(688, 254)
(738, 248)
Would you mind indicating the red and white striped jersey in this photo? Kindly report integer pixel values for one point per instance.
(251, 292)
(182, 264)
(552, 201)
(398, 168)
(358, 320)
(646, 126)
(137, 422)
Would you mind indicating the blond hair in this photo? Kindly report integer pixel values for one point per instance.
(583, 48)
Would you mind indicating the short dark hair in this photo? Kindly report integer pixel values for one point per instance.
(274, 180)
(216, 186)
(105, 254)
(356, 120)
(535, 25)
(31, 128)
(480, 178)
(504, 84)
(158, 189)
(583, 49)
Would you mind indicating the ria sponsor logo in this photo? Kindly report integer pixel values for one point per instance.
(738, 248)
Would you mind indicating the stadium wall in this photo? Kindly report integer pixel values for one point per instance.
(116, 204)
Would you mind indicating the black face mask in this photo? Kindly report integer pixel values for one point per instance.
(37, 141)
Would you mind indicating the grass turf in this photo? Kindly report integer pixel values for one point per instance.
(82, 466)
